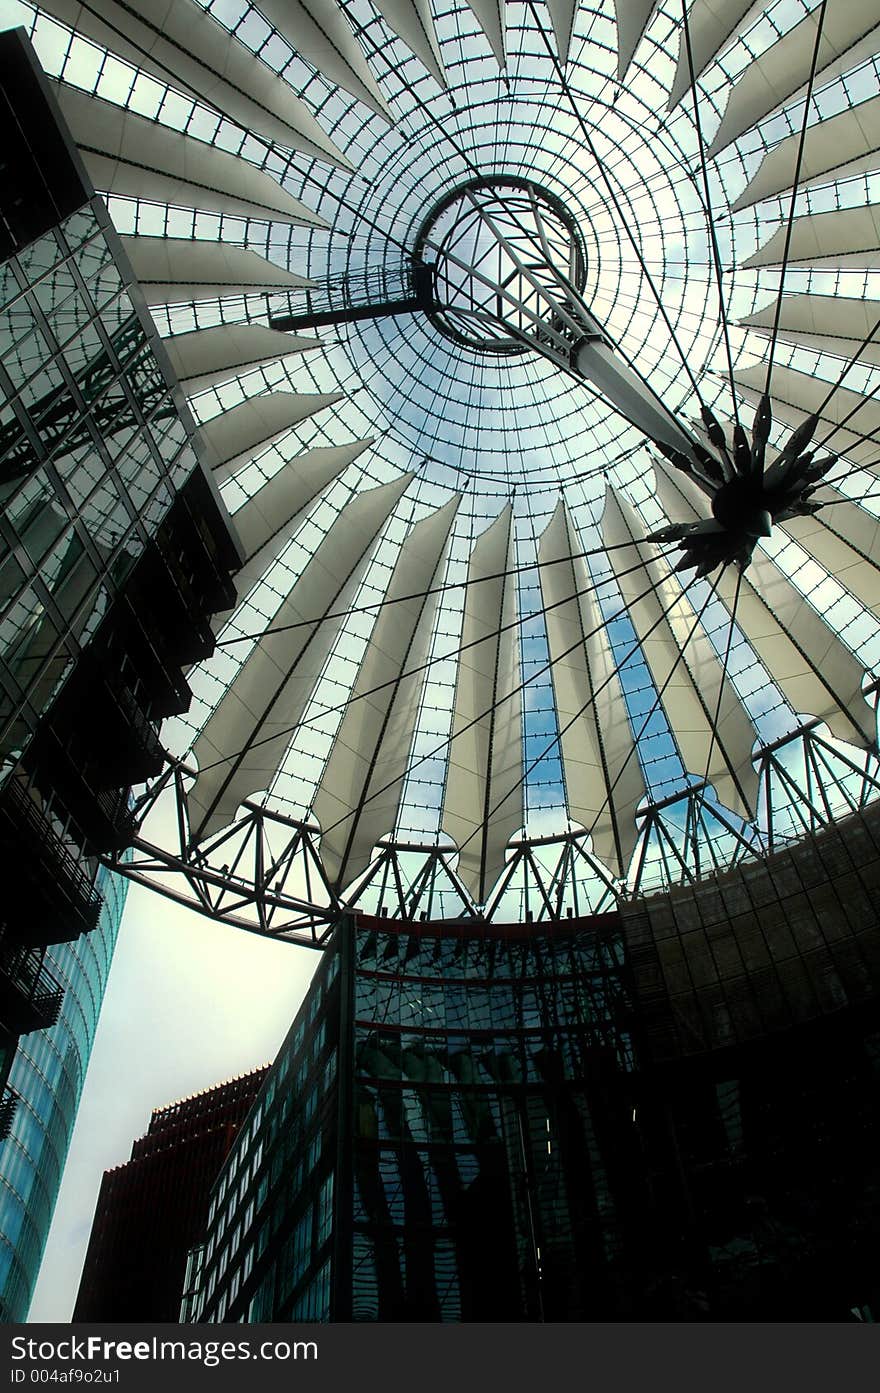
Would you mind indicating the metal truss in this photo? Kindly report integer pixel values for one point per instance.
(508, 272)
(264, 872)
(687, 837)
(507, 257)
(809, 781)
(374, 294)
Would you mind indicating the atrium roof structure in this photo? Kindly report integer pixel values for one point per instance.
(465, 677)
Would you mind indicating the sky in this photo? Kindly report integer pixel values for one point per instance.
(189, 1003)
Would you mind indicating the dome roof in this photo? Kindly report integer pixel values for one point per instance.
(462, 678)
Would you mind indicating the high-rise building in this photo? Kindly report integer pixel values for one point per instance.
(117, 550)
(269, 1234)
(151, 1209)
(46, 1080)
(114, 553)
(666, 1113)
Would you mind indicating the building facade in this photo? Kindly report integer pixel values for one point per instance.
(46, 1078)
(266, 1249)
(666, 1113)
(114, 553)
(116, 548)
(150, 1210)
(737, 1184)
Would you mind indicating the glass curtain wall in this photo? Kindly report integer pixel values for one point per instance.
(48, 1072)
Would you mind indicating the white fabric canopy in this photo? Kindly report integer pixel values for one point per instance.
(483, 797)
(604, 782)
(236, 435)
(683, 663)
(207, 356)
(848, 239)
(712, 24)
(413, 22)
(849, 34)
(174, 269)
(319, 31)
(179, 37)
(490, 14)
(633, 17)
(848, 143)
(797, 395)
(128, 155)
(359, 792)
(245, 739)
(826, 324)
(816, 672)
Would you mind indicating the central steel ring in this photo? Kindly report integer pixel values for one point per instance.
(478, 238)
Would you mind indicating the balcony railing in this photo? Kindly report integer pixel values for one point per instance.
(53, 899)
(30, 997)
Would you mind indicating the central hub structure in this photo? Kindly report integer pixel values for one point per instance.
(499, 246)
(509, 269)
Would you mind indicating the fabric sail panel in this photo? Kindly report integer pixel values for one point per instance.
(847, 240)
(797, 395)
(562, 15)
(266, 515)
(235, 435)
(127, 154)
(172, 36)
(633, 17)
(268, 520)
(358, 794)
(207, 356)
(774, 598)
(825, 323)
(245, 739)
(683, 663)
(490, 15)
(412, 21)
(604, 782)
(781, 73)
(845, 540)
(173, 269)
(319, 32)
(483, 798)
(711, 25)
(848, 143)
(816, 673)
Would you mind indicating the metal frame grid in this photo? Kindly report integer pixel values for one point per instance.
(664, 269)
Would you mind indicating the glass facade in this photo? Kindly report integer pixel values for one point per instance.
(268, 1244)
(490, 1071)
(477, 1124)
(47, 1074)
(431, 1143)
(92, 452)
(114, 553)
